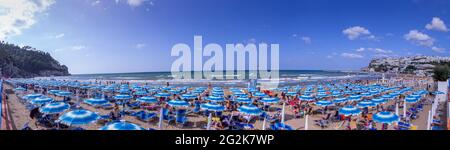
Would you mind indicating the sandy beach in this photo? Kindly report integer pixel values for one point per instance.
(21, 115)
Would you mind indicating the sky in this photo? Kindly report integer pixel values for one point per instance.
(112, 36)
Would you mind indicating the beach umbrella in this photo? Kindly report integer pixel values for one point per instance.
(140, 93)
(53, 108)
(410, 99)
(175, 91)
(259, 94)
(188, 96)
(385, 117)
(78, 117)
(323, 103)
(20, 89)
(31, 96)
(243, 100)
(306, 98)
(437, 92)
(269, 100)
(240, 94)
(322, 94)
(63, 93)
(162, 95)
(122, 97)
(340, 100)
(366, 94)
(250, 110)
(212, 107)
(414, 96)
(366, 103)
(349, 110)
(291, 93)
(378, 100)
(354, 97)
(215, 98)
(147, 99)
(122, 125)
(178, 103)
(41, 100)
(387, 96)
(54, 91)
(95, 101)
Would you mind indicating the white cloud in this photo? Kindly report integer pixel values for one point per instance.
(356, 32)
(18, 15)
(438, 49)
(361, 49)
(95, 3)
(294, 35)
(351, 55)
(419, 38)
(72, 48)
(140, 45)
(135, 3)
(375, 50)
(437, 24)
(58, 36)
(306, 39)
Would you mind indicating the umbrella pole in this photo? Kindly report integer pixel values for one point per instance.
(396, 109)
(160, 119)
(208, 125)
(404, 109)
(428, 121)
(264, 124)
(282, 113)
(306, 122)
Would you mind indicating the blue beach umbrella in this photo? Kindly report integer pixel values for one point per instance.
(96, 101)
(385, 117)
(323, 103)
(54, 91)
(243, 100)
(31, 96)
(54, 108)
(140, 93)
(162, 95)
(122, 125)
(349, 110)
(212, 107)
(188, 96)
(340, 100)
(411, 99)
(387, 96)
(63, 93)
(20, 89)
(122, 97)
(147, 99)
(291, 93)
(437, 92)
(78, 117)
(269, 100)
(250, 110)
(178, 103)
(354, 97)
(366, 103)
(306, 98)
(378, 100)
(215, 98)
(41, 100)
(259, 94)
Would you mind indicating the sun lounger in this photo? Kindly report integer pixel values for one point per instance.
(134, 105)
(181, 117)
(146, 117)
(166, 116)
(107, 106)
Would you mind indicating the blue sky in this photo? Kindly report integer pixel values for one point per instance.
(107, 36)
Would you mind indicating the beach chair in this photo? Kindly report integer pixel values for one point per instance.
(181, 117)
(166, 116)
(107, 106)
(146, 117)
(134, 105)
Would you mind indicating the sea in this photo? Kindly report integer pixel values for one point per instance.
(286, 77)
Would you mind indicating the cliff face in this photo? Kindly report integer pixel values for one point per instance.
(26, 62)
